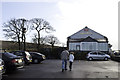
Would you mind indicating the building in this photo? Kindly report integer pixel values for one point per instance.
(87, 40)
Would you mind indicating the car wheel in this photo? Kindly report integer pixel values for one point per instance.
(36, 61)
(90, 58)
(105, 58)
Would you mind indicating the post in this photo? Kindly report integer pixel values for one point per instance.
(24, 31)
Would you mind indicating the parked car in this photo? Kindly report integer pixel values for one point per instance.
(26, 56)
(115, 56)
(2, 67)
(97, 55)
(37, 57)
(12, 62)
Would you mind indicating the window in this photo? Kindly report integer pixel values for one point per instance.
(74, 46)
(100, 53)
(88, 46)
(77, 47)
(103, 46)
(94, 53)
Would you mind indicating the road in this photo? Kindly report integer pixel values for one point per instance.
(81, 69)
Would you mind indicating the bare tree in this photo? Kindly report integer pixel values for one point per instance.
(39, 24)
(52, 40)
(63, 44)
(14, 29)
(35, 39)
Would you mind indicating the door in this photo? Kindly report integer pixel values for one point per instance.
(94, 55)
(100, 55)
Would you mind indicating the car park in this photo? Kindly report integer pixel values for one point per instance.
(11, 61)
(98, 56)
(37, 57)
(2, 67)
(26, 56)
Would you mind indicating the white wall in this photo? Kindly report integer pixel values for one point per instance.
(88, 46)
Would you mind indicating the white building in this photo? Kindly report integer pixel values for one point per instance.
(87, 40)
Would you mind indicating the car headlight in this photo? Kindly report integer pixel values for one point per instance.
(43, 56)
(0, 62)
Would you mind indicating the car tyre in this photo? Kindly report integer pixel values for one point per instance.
(106, 59)
(36, 61)
(90, 58)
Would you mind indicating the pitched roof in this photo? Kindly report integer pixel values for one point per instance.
(85, 32)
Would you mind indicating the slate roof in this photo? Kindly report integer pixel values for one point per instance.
(85, 32)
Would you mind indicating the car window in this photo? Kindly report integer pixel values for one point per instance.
(94, 53)
(101, 53)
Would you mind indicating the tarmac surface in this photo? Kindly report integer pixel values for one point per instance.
(81, 69)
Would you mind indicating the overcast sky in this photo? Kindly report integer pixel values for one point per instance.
(68, 16)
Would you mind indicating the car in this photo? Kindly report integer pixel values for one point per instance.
(37, 57)
(97, 55)
(115, 56)
(2, 67)
(11, 61)
(26, 56)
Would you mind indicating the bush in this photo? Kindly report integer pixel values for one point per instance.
(80, 55)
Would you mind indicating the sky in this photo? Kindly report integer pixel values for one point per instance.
(67, 16)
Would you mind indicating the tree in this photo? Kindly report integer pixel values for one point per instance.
(51, 39)
(35, 39)
(14, 29)
(39, 24)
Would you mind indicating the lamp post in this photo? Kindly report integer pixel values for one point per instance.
(24, 39)
(23, 31)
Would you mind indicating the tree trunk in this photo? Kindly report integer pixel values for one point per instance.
(24, 43)
(19, 46)
(38, 40)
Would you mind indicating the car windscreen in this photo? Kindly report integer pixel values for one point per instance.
(18, 53)
(35, 53)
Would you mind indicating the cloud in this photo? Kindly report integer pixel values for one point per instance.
(99, 15)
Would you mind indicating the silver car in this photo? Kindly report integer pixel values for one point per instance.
(97, 55)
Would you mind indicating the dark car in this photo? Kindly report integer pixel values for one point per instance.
(37, 57)
(26, 56)
(115, 56)
(2, 67)
(11, 61)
